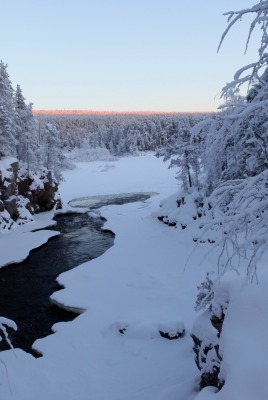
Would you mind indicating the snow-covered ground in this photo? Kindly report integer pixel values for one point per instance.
(17, 243)
(139, 286)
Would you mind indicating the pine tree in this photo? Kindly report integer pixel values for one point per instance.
(27, 139)
(185, 154)
(8, 123)
(51, 150)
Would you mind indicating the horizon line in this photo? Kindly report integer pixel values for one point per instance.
(113, 112)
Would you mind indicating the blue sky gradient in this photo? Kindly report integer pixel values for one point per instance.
(122, 55)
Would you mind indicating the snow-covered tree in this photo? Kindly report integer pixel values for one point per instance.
(184, 151)
(27, 138)
(251, 72)
(228, 153)
(8, 125)
(51, 150)
(237, 177)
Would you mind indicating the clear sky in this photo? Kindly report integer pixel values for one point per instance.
(122, 54)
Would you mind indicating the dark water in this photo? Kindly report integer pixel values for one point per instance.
(25, 287)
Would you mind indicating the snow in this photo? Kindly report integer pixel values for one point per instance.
(8, 322)
(243, 341)
(17, 243)
(5, 167)
(207, 335)
(141, 285)
(25, 239)
(126, 175)
(24, 244)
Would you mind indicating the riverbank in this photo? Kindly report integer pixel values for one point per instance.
(124, 175)
(143, 285)
(17, 243)
(81, 239)
(137, 287)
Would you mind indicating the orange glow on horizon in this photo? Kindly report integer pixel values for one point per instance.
(94, 112)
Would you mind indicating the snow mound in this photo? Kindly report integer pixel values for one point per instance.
(5, 169)
(139, 329)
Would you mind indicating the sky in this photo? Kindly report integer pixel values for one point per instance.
(123, 55)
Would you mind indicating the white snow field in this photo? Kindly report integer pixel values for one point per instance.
(141, 285)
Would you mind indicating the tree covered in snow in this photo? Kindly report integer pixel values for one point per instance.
(27, 139)
(240, 192)
(251, 72)
(229, 154)
(184, 153)
(51, 150)
(8, 121)
(119, 133)
(20, 136)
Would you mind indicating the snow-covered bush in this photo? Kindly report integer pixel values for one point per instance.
(205, 294)
(206, 347)
(6, 222)
(86, 153)
(240, 212)
(207, 330)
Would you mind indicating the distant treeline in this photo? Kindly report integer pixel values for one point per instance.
(118, 133)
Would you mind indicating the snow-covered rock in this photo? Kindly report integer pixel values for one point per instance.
(24, 194)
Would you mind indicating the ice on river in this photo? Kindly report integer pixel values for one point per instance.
(93, 202)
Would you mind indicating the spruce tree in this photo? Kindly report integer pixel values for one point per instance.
(8, 123)
(27, 139)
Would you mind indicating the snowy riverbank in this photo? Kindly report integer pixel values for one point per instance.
(131, 285)
(139, 286)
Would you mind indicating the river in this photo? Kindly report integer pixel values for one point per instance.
(25, 287)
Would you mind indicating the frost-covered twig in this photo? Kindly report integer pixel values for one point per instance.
(241, 207)
(261, 19)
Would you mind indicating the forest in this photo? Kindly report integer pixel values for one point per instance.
(45, 145)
